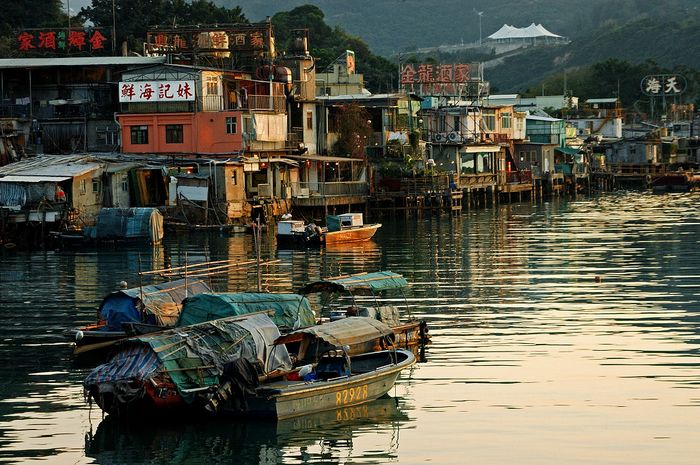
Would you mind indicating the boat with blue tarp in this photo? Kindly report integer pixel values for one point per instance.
(155, 305)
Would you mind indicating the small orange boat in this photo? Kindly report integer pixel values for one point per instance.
(348, 227)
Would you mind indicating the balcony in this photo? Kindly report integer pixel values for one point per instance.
(328, 193)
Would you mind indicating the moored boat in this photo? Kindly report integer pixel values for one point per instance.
(156, 306)
(368, 377)
(241, 365)
(348, 227)
(339, 229)
(358, 295)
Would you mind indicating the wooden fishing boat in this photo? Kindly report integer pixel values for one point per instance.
(339, 229)
(156, 305)
(359, 295)
(348, 227)
(368, 377)
(241, 365)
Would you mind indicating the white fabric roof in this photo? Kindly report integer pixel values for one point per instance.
(530, 32)
(33, 179)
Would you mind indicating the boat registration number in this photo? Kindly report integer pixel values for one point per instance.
(352, 395)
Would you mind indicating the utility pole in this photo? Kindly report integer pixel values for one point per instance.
(114, 30)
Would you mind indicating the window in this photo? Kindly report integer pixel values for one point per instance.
(505, 121)
(139, 134)
(125, 184)
(83, 187)
(231, 123)
(212, 86)
(309, 120)
(173, 133)
(95, 186)
(490, 121)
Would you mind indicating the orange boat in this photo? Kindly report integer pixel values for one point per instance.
(348, 227)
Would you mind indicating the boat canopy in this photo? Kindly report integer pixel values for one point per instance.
(128, 223)
(157, 304)
(378, 281)
(193, 356)
(344, 332)
(291, 311)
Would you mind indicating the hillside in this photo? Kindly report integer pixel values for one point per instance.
(389, 26)
(636, 42)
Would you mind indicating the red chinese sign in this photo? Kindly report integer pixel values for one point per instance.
(156, 91)
(184, 40)
(32, 41)
(429, 78)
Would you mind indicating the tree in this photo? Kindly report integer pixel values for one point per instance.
(134, 17)
(354, 130)
(26, 14)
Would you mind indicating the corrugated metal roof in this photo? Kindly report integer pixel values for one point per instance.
(9, 63)
(56, 166)
(33, 179)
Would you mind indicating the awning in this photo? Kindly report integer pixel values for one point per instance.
(481, 149)
(567, 150)
(378, 281)
(325, 158)
(33, 179)
(347, 331)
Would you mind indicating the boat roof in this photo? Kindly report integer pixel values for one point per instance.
(290, 310)
(377, 281)
(346, 331)
(194, 356)
(157, 297)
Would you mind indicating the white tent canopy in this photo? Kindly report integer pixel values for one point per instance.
(533, 31)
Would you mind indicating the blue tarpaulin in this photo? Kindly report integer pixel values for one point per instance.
(157, 304)
(129, 223)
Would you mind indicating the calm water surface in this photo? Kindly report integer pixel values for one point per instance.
(533, 360)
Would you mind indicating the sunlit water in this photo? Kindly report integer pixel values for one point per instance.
(565, 332)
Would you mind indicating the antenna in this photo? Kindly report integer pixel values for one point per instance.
(479, 14)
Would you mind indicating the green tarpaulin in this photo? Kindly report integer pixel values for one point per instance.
(378, 281)
(291, 311)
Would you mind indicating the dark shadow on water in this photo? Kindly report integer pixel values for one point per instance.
(176, 441)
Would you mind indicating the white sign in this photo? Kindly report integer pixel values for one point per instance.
(663, 84)
(156, 91)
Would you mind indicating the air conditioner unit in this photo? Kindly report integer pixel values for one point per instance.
(454, 137)
(439, 137)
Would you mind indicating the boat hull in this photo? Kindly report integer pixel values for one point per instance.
(355, 234)
(291, 399)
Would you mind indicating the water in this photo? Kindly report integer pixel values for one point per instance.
(565, 332)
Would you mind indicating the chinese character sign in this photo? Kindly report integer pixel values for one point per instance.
(447, 78)
(663, 85)
(156, 91)
(61, 40)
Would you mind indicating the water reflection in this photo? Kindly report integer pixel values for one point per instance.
(568, 322)
(326, 437)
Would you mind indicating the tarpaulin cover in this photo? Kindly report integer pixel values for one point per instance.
(194, 356)
(347, 331)
(378, 281)
(154, 304)
(130, 223)
(292, 311)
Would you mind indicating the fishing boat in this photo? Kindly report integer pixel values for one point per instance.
(348, 227)
(339, 229)
(155, 306)
(242, 366)
(369, 294)
(342, 381)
